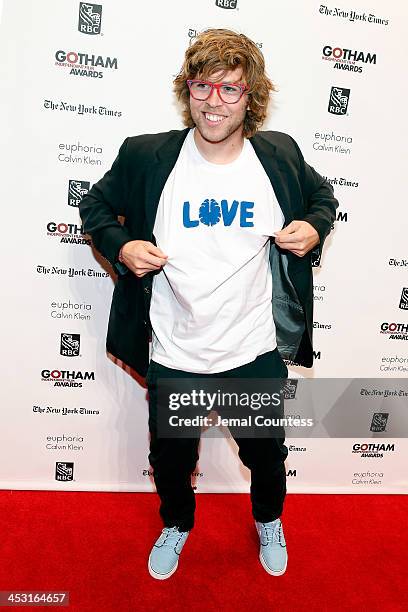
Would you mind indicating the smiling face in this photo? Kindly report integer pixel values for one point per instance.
(215, 120)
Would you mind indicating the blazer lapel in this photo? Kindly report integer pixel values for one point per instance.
(266, 153)
(165, 159)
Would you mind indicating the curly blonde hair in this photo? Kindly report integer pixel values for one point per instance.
(220, 49)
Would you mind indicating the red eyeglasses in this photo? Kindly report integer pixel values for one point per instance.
(230, 93)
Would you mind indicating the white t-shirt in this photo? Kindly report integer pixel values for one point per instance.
(211, 305)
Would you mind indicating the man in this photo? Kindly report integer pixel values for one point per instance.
(214, 262)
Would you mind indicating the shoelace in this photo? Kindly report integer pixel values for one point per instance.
(273, 532)
(172, 537)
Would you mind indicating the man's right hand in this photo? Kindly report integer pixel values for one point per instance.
(141, 257)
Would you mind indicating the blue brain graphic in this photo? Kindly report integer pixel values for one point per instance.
(209, 212)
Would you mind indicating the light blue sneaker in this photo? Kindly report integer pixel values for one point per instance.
(272, 554)
(164, 557)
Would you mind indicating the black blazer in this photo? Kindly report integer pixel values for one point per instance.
(132, 189)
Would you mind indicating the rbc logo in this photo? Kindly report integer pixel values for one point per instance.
(226, 4)
(211, 212)
(90, 16)
(76, 191)
(339, 99)
(70, 344)
(64, 470)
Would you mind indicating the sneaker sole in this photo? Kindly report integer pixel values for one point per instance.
(268, 569)
(160, 576)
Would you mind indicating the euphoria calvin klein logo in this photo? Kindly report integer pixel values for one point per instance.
(226, 4)
(338, 102)
(70, 345)
(379, 421)
(404, 299)
(90, 18)
(64, 470)
(76, 191)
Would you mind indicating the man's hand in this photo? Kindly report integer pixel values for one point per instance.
(141, 257)
(299, 237)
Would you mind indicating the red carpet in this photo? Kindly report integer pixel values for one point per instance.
(346, 552)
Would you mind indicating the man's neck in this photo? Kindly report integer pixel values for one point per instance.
(223, 152)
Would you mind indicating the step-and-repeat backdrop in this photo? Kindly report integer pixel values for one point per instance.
(79, 77)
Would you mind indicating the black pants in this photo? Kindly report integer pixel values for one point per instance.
(174, 460)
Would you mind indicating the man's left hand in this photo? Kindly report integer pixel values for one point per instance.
(299, 237)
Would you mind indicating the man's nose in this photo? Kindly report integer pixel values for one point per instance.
(214, 99)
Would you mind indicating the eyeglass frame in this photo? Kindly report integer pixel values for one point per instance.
(217, 86)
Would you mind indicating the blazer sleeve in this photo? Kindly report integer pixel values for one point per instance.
(100, 207)
(320, 201)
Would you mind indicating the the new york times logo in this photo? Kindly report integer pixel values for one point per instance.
(404, 299)
(90, 18)
(339, 99)
(76, 191)
(226, 4)
(64, 470)
(379, 421)
(70, 345)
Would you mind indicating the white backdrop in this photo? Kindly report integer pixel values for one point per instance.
(61, 129)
